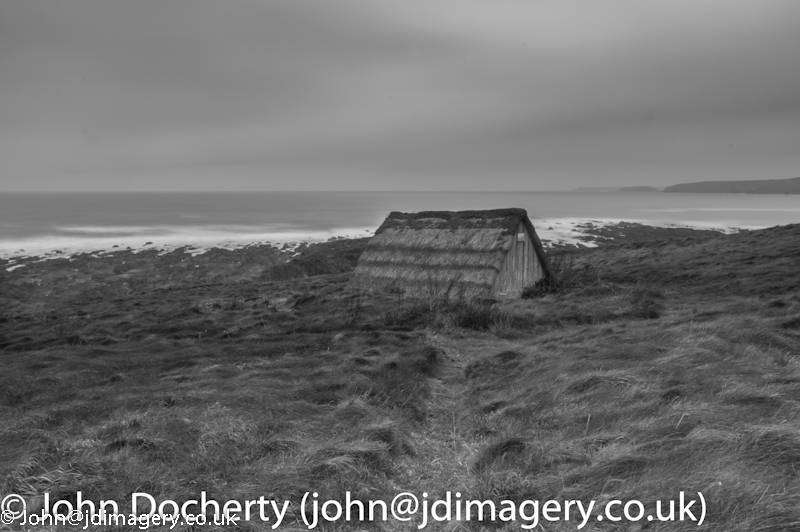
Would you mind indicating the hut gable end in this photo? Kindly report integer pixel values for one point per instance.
(454, 254)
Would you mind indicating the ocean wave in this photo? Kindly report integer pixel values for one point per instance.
(82, 239)
(106, 229)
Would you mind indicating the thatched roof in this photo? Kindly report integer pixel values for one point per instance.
(442, 252)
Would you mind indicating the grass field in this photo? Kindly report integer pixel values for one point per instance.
(663, 364)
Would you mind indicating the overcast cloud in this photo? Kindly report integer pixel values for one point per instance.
(381, 94)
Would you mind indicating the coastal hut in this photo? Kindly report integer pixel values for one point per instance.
(464, 254)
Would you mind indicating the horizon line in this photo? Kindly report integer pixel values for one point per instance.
(341, 191)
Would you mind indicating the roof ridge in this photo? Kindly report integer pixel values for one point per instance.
(503, 212)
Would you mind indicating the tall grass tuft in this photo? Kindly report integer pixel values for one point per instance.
(498, 451)
(646, 302)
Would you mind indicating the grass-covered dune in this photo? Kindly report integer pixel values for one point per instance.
(658, 365)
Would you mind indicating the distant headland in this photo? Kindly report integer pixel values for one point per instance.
(760, 186)
(751, 186)
(617, 189)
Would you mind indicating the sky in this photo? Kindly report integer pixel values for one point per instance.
(389, 95)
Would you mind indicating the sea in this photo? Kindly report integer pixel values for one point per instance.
(54, 224)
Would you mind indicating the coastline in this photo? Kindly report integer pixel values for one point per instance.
(554, 233)
(56, 225)
(198, 242)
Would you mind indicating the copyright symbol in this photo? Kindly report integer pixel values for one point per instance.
(404, 506)
(6, 518)
(12, 507)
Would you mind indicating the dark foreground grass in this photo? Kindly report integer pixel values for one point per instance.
(644, 410)
(662, 387)
(674, 367)
(184, 383)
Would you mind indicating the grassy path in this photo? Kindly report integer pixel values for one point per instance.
(444, 449)
(446, 443)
